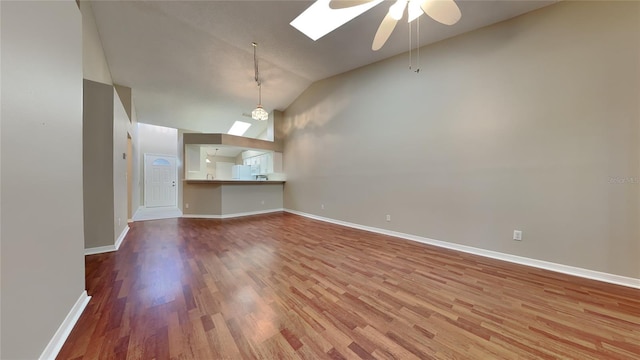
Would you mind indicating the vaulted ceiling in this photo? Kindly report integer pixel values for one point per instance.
(190, 63)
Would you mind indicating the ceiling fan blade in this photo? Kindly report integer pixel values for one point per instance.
(343, 4)
(443, 11)
(384, 31)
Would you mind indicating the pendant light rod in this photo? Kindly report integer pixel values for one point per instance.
(255, 63)
(259, 113)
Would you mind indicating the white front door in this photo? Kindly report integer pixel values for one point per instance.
(159, 180)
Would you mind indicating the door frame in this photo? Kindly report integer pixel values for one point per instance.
(144, 181)
(129, 177)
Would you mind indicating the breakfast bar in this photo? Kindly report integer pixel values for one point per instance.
(219, 199)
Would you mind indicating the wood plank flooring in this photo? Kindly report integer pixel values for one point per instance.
(281, 286)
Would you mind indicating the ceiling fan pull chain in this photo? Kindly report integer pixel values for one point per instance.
(418, 42)
(410, 28)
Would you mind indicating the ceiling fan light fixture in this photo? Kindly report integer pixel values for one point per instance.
(443, 11)
(414, 9)
(397, 10)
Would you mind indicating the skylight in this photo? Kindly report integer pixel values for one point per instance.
(319, 19)
(239, 128)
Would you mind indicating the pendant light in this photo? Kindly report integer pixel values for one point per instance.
(258, 113)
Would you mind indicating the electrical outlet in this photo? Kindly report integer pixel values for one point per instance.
(517, 235)
(119, 221)
(186, 205)
(322, 206)
(262, 202)
(388, 217)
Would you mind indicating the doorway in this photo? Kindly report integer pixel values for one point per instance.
(160, 175)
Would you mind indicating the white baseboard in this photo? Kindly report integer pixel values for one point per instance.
(156, 213)
(141, 207)
(120, 238)
(229, 216)
(99, 250)
(565, 269)
(55, 344)
(108, 248)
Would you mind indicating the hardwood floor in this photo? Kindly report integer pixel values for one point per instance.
(281, 286)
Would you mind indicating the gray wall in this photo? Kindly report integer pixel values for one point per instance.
(530, 124)
(98, 154)
(180, 167)
(230, 199)
(203, 199)
(105, 127)
(42, 258)
(238, 199)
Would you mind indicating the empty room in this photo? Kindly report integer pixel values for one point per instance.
(330, 179)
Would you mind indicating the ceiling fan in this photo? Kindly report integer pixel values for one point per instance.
(443, 11)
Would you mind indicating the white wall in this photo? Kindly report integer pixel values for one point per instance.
(521, 125)
(158, 139)
(137, 170)
(41, 220)
(220, 167)
(95, 66)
